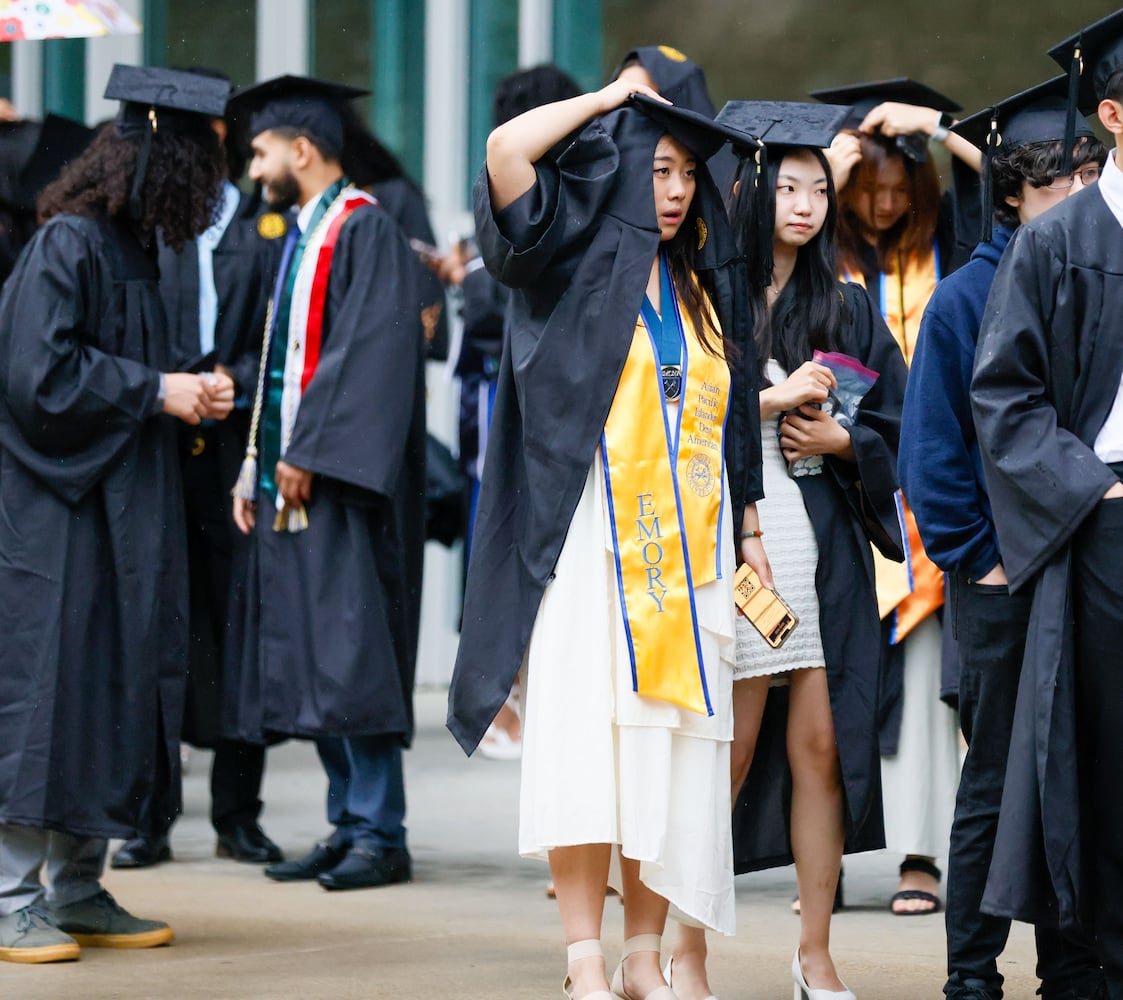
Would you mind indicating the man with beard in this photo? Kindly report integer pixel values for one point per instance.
(334, 508)
(93, 586)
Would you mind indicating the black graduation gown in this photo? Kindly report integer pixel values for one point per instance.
(245, 265)
(841, 504)
(327, 625)
(577, 248)
(93, 583)
(406, 205)
(1046, 373)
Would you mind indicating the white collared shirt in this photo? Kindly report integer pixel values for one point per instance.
(304, 216)
(206, 245)
(1109, 441)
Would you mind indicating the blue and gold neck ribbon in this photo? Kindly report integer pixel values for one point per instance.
(664, 474)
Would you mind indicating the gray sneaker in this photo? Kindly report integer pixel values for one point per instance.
(31, 936)
(100, 922)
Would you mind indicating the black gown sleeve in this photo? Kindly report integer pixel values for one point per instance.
(870, 481)
(72, 402)
(519, 242)
(355, 416)
(1041, 478)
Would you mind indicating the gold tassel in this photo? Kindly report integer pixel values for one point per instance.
(291, 519)
(245, 488)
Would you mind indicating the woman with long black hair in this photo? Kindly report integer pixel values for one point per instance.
(804, 714)
(623, 463)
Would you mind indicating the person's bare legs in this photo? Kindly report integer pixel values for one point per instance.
(818, 829)
(580, 875)
(645, 912)
(689, 968)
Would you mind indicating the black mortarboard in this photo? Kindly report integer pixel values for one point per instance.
(864, 97)
(298, 102)
(1091, 58)
(786, 123)
(677, 78)
(1034, 115)
(1100, 48)
(157, 100)
(1039, 114)
(699, 133)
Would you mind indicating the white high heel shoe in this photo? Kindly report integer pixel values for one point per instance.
(667, 976)
(575, 953)
(641, 942)
(805, 992)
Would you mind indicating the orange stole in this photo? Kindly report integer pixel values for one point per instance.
(915, 588)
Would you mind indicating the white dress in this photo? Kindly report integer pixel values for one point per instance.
(793, 554)
(600, 763)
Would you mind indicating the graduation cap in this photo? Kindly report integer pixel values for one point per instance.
(1091, 58)
(157, 100)
(779, 126)
(298, 102)
(679, 79)
(864, 97)
(786, 123)
(1039, 114)
(702, 135)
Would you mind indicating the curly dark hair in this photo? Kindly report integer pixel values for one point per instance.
(181, 190)
(1039, 164)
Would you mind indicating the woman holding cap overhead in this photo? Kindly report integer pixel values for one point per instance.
(804, 714)
(897, 237)
(93, 581)
(619, 514)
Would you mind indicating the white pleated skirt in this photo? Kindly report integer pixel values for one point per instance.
(601, 764)
(919, 782)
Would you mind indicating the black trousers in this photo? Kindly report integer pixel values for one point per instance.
(990, 626)
(1098, 599)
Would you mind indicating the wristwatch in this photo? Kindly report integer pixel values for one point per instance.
(943, 127)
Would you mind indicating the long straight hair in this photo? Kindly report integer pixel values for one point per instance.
(695, 288)
(807, 315)
(915, 233)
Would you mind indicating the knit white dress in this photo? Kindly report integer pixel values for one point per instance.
(793, 554)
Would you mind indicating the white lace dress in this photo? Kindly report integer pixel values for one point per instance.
(793, 554)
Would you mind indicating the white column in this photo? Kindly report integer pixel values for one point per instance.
(282, 37)
(101, 54)
(446, 113)
(536, 32)
(446, 130)
(27, 78)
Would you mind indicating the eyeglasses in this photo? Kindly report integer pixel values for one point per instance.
(1088, 175)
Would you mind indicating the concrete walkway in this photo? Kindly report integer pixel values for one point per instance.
(475, 924)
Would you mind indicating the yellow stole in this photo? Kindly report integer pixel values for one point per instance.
(665, 473)
(913, 589)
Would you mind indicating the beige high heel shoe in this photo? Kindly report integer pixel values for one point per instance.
(641, 942)
(589, 948)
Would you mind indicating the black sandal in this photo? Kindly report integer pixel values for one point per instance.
(925, 868)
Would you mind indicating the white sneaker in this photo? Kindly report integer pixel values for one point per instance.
(497, 745)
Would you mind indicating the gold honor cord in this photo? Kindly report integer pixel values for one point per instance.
(245, 487)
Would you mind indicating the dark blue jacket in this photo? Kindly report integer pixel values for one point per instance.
(938, 463)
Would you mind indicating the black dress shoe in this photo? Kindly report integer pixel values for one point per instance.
(247, 843)
(322, 858)
(366, 867)
(142, 852)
